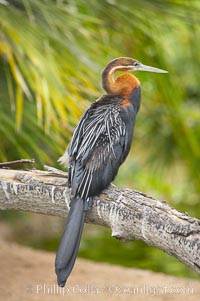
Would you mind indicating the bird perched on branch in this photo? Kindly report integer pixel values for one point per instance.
(100, 144)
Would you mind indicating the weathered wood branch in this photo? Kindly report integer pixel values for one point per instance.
(16, 163)
(130, 214)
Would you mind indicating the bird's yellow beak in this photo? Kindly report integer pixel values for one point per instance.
(142, 67)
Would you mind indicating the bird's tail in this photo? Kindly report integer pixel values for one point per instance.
(70, 241)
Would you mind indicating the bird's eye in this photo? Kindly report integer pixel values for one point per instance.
(136, 64)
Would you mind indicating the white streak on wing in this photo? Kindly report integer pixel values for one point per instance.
(90, 174)
(73, 146)
(111, 142)
(101, 160)
(82, 180)
(87, 181)
(118, 132)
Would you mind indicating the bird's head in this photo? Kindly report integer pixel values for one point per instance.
(129, 64)
(124, 82)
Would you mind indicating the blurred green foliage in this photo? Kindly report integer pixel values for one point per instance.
(51, 57)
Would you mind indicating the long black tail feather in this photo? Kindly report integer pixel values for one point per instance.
(70, 241)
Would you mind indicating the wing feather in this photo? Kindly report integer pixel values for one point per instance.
(97, 144)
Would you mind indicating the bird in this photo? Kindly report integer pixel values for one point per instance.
(100, 144)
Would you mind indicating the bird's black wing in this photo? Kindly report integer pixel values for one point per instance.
(97, 148)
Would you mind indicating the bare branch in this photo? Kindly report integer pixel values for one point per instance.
(130, 214)
(16, 163)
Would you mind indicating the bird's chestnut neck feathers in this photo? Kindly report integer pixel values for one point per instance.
(123, 84)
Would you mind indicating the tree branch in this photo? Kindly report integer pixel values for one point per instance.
(16, 163)
(129, 213)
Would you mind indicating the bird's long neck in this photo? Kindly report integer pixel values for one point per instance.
(122, 85)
